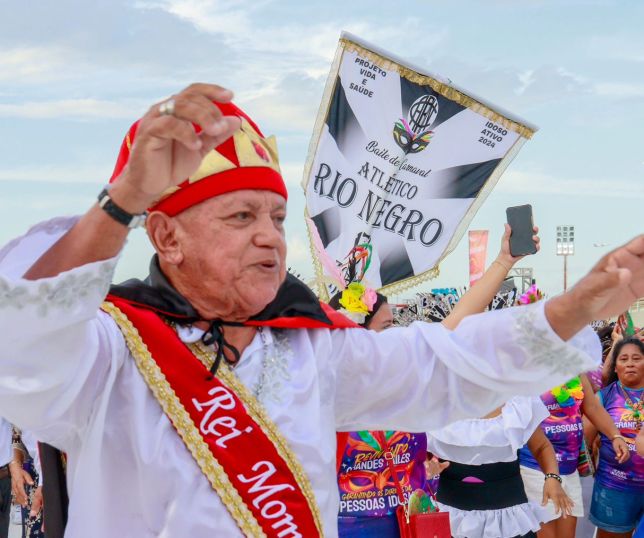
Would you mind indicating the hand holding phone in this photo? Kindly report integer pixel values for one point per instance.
(522, 225)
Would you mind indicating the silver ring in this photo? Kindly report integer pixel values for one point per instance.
(167, 108)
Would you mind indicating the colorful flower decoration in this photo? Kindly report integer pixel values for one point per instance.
(531, 296)
(420, 503)
(369, 297)
(568, 394)
(357, 301)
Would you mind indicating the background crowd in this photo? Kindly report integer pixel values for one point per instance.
(517, 471)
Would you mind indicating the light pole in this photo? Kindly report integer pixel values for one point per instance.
(565, 247)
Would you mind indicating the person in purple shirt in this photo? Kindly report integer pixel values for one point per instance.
(564, 430)
(618, 495)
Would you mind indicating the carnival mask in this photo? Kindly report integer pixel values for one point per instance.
(409, 141)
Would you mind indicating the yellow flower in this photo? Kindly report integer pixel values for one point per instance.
(351, 298)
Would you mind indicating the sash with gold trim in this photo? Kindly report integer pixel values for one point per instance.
(232, 439)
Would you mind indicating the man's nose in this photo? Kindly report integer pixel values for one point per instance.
(268, 233)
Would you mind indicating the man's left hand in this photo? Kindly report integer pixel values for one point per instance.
(615, 283)
(609, 289)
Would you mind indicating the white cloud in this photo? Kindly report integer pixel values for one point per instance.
(299, 256)
(549, 83)
(535, 182)
(34, 64)
(619, 90)
(215, 16)
(269, 44)
(619, 47)
(79, 109)
(292, 173)
(52, 204)
(57, 173)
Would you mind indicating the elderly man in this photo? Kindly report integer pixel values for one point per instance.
(205, 400)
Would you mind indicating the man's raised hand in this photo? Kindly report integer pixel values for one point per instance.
(167, 149)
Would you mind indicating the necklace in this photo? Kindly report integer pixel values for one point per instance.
(276, 357)
(637, 407)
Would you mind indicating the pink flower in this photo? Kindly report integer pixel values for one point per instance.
(531, 296)
(369, 298)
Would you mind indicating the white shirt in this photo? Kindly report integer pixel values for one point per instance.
(69, 378)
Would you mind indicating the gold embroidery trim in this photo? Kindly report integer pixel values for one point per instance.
(171, 405)
(260, 416)
(445, 90)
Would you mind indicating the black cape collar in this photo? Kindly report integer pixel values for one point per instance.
(294, 299)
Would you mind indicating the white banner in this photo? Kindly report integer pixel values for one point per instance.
(399, 163)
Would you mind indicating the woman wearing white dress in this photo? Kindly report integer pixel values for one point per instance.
(482, 487)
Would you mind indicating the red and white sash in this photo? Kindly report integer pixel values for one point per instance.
(236, 445)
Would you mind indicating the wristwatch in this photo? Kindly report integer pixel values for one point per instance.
(118, 213)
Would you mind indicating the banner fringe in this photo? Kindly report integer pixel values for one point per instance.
(440, 87)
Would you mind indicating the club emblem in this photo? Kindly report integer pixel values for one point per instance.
(413, 134)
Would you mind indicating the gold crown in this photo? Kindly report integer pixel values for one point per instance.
(252, 151)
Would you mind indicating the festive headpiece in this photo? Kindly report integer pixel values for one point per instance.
(358, 302)
(531, 296)
(246, 160)
(354, 298)
(567, 394)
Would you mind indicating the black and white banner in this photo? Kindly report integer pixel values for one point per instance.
(400, 162)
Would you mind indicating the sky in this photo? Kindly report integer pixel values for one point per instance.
(74, 75)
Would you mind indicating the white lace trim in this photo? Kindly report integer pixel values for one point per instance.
(61, 292)
(539, 341)
(275, 372)
(54, 226)
(504, 523)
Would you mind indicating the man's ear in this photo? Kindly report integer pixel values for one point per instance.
(162, 231)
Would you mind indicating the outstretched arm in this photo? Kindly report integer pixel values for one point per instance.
(484, 290)
(595, 412)
(428, 376)
(609, 289)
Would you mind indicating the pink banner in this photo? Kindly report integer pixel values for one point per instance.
(478, 253)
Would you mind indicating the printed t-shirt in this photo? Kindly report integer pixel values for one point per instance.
(563, 428)
(366, 486)
(627, 476)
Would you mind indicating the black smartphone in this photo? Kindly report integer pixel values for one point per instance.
(520, 220)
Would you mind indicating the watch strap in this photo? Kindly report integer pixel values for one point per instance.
(119, 214)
